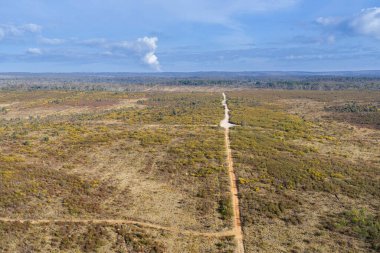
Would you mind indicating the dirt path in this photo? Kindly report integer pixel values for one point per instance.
(233, 187)
(120, 222)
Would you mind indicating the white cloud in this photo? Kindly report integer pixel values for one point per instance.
(328, 21)
(107, 53)
(144, 47)
(367, 22)
(14, 30)
(152, 60)
(34, 51)
(33, 28)
(151, 45)
(51, 41)
(149, 42)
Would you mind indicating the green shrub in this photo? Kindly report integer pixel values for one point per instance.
(357, 223)
(225, 208)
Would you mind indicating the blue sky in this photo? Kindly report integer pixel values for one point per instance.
(189, 35)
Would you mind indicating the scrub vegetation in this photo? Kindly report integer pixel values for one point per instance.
(302, 166)
(149, 157)
(307, 165)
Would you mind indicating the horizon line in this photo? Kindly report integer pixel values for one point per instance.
(196, 71)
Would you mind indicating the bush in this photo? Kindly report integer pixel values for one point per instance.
(225, 208)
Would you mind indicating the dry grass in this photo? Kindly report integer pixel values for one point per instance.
(38, 104)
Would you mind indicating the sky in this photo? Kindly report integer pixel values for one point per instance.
(189, 35)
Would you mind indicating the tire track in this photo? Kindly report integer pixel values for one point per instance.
(121, 222)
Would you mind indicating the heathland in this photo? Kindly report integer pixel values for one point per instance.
(146, 171)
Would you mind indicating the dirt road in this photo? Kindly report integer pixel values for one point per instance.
(234, 191)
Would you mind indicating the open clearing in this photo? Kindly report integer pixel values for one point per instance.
(153, 171)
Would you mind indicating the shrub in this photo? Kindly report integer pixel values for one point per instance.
(357, 223)
(225, 208)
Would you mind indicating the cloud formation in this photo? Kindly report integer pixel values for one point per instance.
(33, 28)
(144, 47)
(366, 23)
(208, 35)
(327, 21)
(151, 45)
(51, 41)
(34, 51)
(14, 30)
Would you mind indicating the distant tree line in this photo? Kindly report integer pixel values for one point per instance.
(141, 82)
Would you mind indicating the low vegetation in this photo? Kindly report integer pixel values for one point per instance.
(306, 162)
(88, 238)
(288, 182)
(357, 223)
(152, 157)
